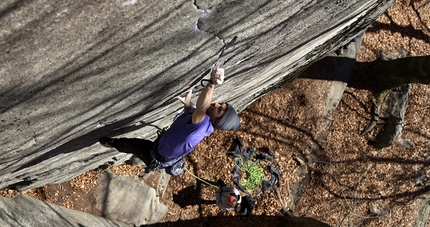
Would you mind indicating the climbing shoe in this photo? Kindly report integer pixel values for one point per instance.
(176, 169)
(106, 141)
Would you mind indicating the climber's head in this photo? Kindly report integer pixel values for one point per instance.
(223, 116)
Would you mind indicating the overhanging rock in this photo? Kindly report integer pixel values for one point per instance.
(74, 71)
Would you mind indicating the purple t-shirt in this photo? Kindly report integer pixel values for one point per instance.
(182, 136)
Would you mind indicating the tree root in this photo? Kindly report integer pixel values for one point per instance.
(392, 130)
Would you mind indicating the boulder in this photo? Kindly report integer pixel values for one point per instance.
(24, 210)
(128, 200)
(74, 71)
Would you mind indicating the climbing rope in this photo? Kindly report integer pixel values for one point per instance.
(254, 175)
(200, 179)
(247, 161)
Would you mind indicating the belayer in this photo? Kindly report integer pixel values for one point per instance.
(188, 130)
(229, 198)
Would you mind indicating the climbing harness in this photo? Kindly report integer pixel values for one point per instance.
(157, 163)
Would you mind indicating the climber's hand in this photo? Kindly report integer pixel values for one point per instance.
(217, 76)
(186, 100)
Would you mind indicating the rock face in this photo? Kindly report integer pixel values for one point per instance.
(74, 71)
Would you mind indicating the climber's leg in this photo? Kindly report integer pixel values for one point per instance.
(138, 147)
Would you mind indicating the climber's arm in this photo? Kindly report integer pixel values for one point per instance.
(205, 98)
(187, 100)
(203, 103)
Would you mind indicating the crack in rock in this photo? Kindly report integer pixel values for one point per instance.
(205, 12)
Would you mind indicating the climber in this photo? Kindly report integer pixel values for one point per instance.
(189, 129)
